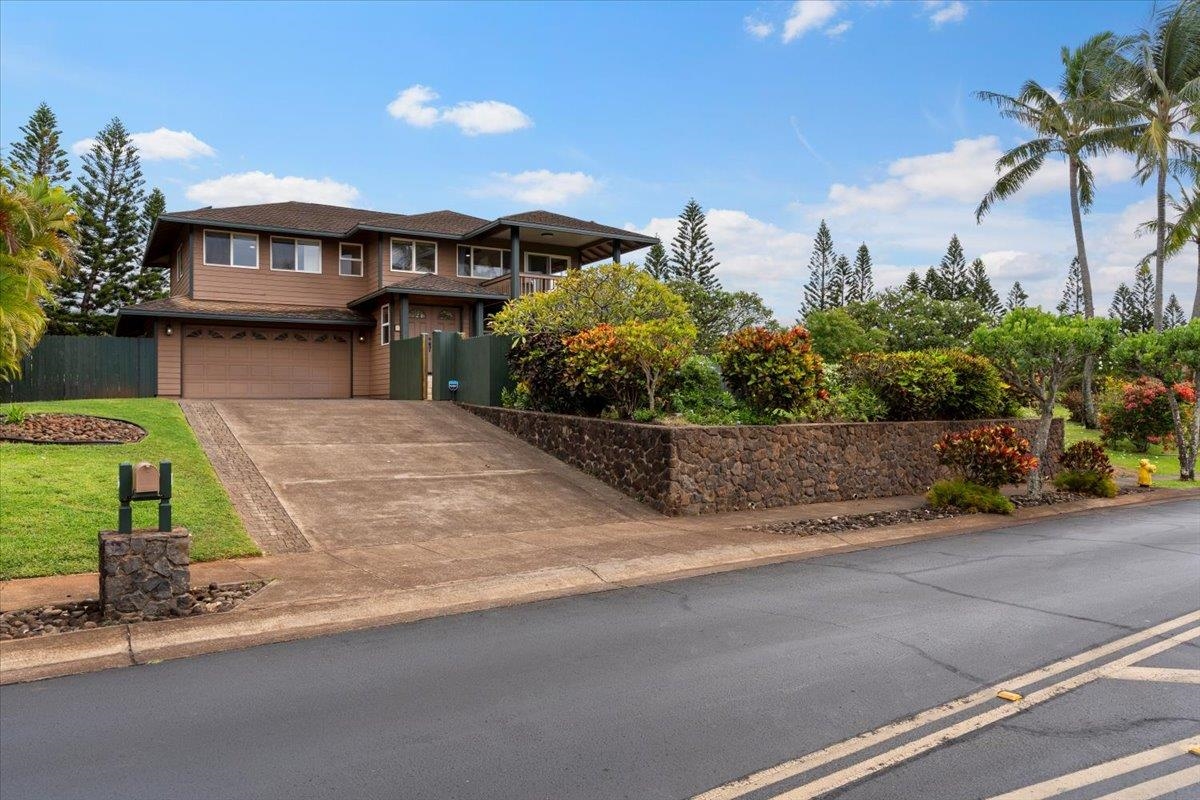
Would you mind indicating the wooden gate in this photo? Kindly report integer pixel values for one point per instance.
(407, 368)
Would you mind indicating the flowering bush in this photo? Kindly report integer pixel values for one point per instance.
(1141, 412)
(1086, 468)
(991, 455)
(772, 371)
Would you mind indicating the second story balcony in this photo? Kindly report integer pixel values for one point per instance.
(530, 282)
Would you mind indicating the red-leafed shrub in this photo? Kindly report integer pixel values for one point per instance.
(991, 455)
(771, 371)
(1086, 468)
(1141, 412)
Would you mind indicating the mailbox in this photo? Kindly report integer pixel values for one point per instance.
(143, 482)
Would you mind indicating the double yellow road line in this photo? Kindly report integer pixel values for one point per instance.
(897, 755)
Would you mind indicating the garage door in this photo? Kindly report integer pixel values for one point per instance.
(225, 361)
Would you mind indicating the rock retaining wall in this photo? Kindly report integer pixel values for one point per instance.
(705, 469)
(144, 574)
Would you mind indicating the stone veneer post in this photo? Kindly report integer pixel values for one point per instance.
(144, 573)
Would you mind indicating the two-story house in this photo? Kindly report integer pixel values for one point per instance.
(303, 300)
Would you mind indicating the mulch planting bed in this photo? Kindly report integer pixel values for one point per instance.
(85, 614)
(71, 429)
(858, 522)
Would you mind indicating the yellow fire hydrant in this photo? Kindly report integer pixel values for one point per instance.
(1146, 472)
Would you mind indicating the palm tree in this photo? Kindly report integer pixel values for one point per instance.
(1162, 72)
(37, 240)
(1185, 207)
(1086, 121)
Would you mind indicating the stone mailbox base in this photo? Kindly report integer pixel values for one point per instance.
(144, 573)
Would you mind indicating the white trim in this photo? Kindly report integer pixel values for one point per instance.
(296, 241)
(360, 260)
(551, 274)
(414, 242)
(204, 248)
(385, 323)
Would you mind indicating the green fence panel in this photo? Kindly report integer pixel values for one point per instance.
(81, 367)
(482, 369)
(445, 359)
(407, 368)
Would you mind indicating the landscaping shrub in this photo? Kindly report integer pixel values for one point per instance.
(958, 493)
(539, 362)
(1140, 411)
(14, 414)
(929, 384)
(1085, 468)
(836, 335)
(772, 371)
(697, 387)
(990, 455)
(626, 363)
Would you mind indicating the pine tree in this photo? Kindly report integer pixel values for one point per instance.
(932, 284)
(1017, 298)
(1143, 299)
(111, 230)
(979, 288)
(151, 282)
(864, 282)
(842, 284)
(38, 154)
(1124, 310)
(692, 250)
(1072, 299)
(913, 283)
(1173, 314)
(657, 263)
(817, 292)
(953, 281)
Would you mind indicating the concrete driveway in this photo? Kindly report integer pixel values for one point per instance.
(363, 473)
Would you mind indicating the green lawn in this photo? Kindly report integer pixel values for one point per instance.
(54, 498)
(1124, 458)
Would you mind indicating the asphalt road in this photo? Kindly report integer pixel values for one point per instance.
(666, 691)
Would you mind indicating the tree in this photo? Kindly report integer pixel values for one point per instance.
(1184, 230)
(111, 230)
(842, 283)
(932, 285)
(658, 265)
(150, 283)
(1162, 72)
(836, 334)
(915, 321)
(912, 283)
(953, 279)
(1072, 298)
(1143, 298)
(1124, 309)
(863, 284)
(604, 358)
(1171, 356)
(1016, 297)
(39, 154)
(719, 313)
(692, 250)
(979, 289)
(1037, 352)
(1173, 314)
(37, 226)
(818, 290)
(1078, 120)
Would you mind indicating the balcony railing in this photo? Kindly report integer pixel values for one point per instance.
(531, 282)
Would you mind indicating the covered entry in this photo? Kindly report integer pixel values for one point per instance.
(234, 362)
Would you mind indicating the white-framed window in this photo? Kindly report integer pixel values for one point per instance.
(350, 259)
(296, 255)
(483, 262)
(225, 249)
(385, 323)
(412, 255)
(546, 264)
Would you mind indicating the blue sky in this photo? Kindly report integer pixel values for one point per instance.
(772, 115)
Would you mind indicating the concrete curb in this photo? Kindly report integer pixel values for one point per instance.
(42, 657)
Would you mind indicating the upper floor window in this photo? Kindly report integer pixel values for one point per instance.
(350, 259)
(385, 323)
(546, 265)
(482, 262)
(413, 256)
(296, 255)
(222, 249)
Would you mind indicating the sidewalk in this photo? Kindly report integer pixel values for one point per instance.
(357, 587)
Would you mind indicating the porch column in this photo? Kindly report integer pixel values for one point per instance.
(403, 316)
(477, 330)
(514, 239)
(616, 243)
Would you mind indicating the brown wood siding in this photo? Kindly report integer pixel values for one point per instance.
(179, 270)
(379, 355)
(168, 358)
(273, 286)
(362, 364)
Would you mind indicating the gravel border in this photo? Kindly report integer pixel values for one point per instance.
(27, 623)
(23, 440)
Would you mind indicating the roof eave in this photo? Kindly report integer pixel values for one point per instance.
(465, 295)
(236, 317)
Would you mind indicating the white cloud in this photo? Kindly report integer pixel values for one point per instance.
(538, 187)
(837, 30)
(474, 117)
(162, 144)
(759, 29)
(247, 188)
(942, 11)
(807, 15)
